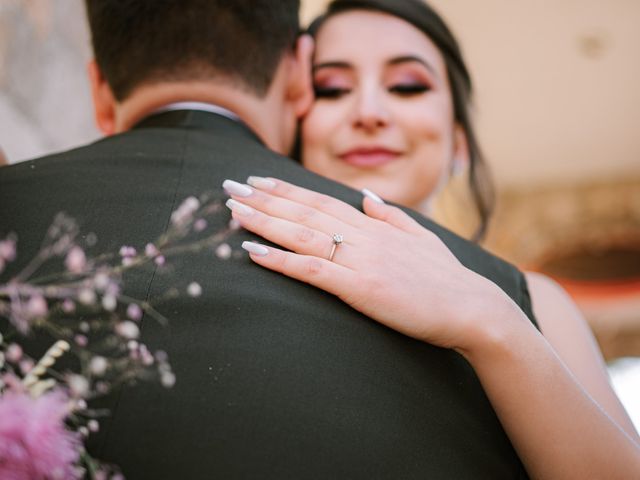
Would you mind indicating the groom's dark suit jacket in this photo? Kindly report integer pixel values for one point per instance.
(275, 379)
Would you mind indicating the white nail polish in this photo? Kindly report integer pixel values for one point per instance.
(237, 189)
(255, 248)
(369, 194)
(261, 182)
(239, 208)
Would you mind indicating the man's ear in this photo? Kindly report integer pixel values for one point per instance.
(300, 91)
(461, 156)
(104, 102)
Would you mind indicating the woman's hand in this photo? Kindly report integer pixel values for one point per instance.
(388, 266)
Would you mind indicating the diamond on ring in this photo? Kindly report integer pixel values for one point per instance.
(337, 239)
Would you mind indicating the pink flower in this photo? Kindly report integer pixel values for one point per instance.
(200, 225)
(76, 260)
(68, 306)
(134, 312)
(127, 252)
(37, 307)
(34, 442)
(151, 250)
(24, 313)
(8, 249)
(14, 353)
(184, 213)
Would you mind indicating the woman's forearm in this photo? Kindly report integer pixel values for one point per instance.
(558, 430)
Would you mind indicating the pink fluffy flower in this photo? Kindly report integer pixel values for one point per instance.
(34, 443)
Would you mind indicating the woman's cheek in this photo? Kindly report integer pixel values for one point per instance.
(320, 127)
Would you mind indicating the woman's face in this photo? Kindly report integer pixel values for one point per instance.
(383, 114)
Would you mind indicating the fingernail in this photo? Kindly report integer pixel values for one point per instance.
(239, 208)
(369, 194)
(235, 188)
(261, 182)
(255, 248)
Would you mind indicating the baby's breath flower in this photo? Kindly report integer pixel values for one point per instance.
(14, 353)
(134, 312)
(128, 330)
(200, 225)
(8, 249)
(78, 385)
(127, 251)
(109, 303)
(194, 289)
(168, 379)
(93, 425)
(76, 261)
(87, 296)
(184, 213)
(101, 281)
(223, 251)
(98, 365)
(151, 250)
(68, 306)
(161, 356)
(37, 307)
(127, 261)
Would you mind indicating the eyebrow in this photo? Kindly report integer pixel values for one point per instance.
(411, 59)
(342, 65)
(393, 61)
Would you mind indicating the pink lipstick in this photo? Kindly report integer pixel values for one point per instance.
(369, 156)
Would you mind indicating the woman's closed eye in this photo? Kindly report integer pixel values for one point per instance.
(330, 93)
(409, 89)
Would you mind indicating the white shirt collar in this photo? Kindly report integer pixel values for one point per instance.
(205, 107)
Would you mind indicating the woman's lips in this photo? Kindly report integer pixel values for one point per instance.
(369, 157)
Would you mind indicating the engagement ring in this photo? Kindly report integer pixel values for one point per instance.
(337, 239)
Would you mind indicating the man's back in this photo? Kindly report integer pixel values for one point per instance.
(275, 379)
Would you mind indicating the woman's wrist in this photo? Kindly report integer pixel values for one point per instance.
(494, 324)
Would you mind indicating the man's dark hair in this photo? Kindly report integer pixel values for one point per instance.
(139, 42)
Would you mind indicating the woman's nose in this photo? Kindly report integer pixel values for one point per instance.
(370, 111)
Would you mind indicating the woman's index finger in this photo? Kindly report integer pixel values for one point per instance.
(319, 201)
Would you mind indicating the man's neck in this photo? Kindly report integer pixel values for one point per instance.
(255, 112)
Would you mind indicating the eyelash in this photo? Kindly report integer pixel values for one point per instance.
(403, 90)
(330, 92)
(410, 89)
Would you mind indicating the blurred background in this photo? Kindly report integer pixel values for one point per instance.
(558, 110)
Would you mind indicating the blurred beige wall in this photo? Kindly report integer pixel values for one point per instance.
(45, 104)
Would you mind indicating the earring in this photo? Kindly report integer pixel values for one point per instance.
(457, 167)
